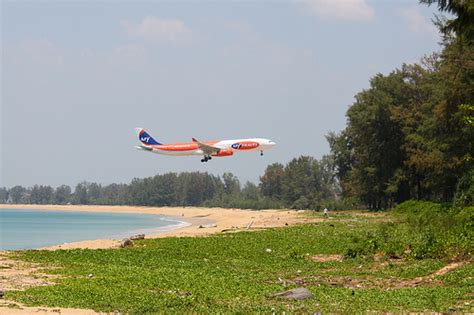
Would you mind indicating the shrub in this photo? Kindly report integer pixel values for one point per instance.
(351, 203)
(422, 230)
(465, 190)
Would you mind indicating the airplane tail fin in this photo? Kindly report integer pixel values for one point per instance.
(145, 138)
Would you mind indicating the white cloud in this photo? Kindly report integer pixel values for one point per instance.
(416, 22)
(352, 10)
(156, 29)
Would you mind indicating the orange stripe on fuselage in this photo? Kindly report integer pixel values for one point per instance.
(185, 146)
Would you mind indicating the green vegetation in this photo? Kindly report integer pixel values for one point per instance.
(421, 230)
(239, 272)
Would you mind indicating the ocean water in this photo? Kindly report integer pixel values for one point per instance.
(27, 229)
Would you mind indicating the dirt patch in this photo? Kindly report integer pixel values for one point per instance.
(364, 215)
(450, 267)
(430, 279)
(13, 308)
(373, 282)
(20, 275)
(326, 258)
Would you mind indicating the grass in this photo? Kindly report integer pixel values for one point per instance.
(239, 272)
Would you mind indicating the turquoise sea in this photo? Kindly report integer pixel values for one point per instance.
(26, 229)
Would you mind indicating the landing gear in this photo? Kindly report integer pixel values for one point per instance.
(206, 158)
(261, 153)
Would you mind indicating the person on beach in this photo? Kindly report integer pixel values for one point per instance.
(325, 211)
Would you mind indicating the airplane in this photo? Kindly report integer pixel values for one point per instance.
(207, 149)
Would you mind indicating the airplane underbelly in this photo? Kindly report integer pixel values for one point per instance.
(178, 153)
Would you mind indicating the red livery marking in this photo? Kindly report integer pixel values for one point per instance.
(245, 145)
(187, 146)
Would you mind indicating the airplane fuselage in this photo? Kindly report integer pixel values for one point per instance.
(207, 149)
(228, 147)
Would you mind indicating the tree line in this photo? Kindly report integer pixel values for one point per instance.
(410, 135)
(304, 182)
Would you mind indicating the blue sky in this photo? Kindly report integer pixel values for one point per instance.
(77, 77)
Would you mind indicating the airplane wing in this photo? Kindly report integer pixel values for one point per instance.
(207, 149)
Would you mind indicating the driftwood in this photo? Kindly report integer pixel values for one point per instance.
(227, 230)
(207, 226)
(137, 237)
(126, 242)
(202, 215)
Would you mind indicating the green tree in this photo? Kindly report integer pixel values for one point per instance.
(271, 181)
(231, 184)
(115, 194)
(300, 180)
(80, 194)
(17, 193)
(462, 24)
(41, 194)
(250, 191)
(3, 195)
(62, 194)
(343, 159)
(94, 193)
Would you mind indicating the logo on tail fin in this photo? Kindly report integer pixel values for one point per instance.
(146, 139)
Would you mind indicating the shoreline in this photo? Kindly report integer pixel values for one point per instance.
(202, 221)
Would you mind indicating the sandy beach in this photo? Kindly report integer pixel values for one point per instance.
(202, 221)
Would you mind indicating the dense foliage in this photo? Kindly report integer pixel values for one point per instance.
(420, 230)
(410, 135)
